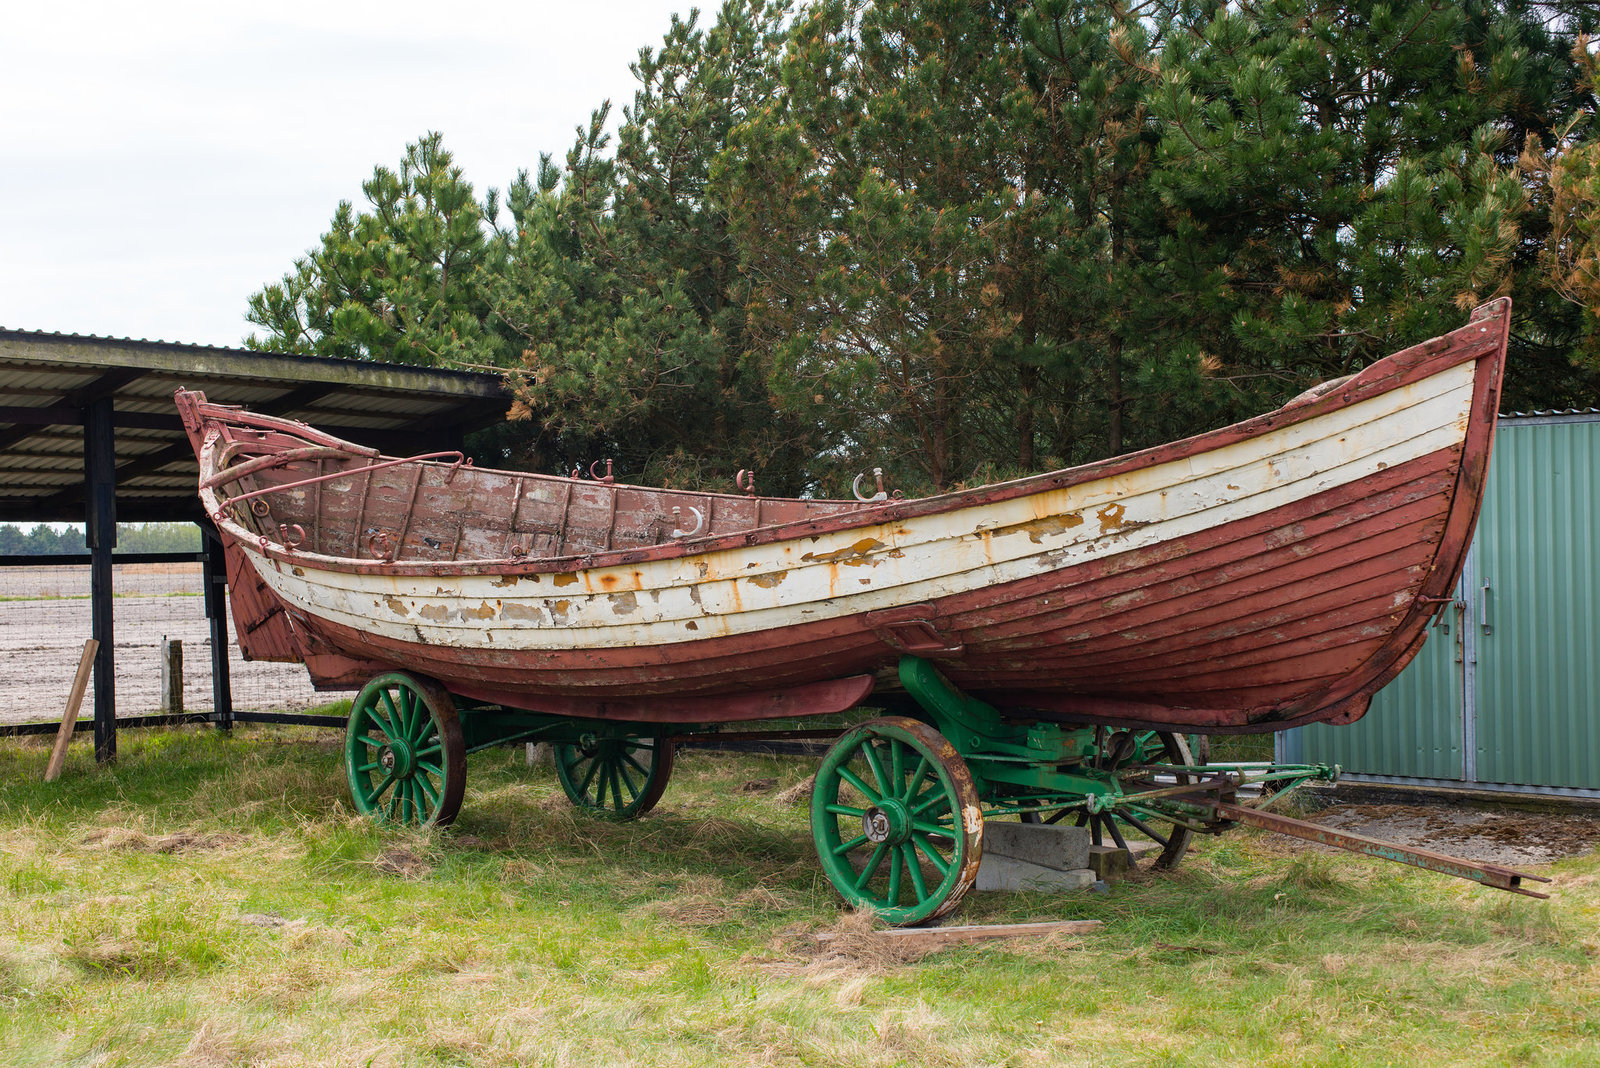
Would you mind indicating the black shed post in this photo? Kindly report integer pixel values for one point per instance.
(100, 483)
(216, 589)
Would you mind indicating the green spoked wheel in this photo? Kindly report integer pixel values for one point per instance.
(1149, 841)
(620, 778)
(896, 820)
(404, 752)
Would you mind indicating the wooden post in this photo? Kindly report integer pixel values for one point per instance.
(69, 718)
(100, 477)
(171, 675)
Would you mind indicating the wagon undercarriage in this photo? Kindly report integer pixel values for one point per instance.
(899, 803)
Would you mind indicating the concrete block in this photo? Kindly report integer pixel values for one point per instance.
(1047, 845)
(1006, 873)
(1109, 862)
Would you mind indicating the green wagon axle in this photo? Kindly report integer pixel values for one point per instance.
(899, 803)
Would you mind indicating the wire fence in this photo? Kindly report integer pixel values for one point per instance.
(44, 621)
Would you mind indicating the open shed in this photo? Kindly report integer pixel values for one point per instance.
(89, 433)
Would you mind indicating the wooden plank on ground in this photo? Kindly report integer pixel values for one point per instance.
(69, 718)
(970, 933)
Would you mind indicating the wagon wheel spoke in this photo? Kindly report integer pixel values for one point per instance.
(875, 762)
(422, 732)
(855, 843)
(915, 782)
(932, 854)
(388, 781)
(1116, 835)
(627, 780)
(389, 707)
(915, 869)
(855, 780)
(404, 719)
(588, 776)
(621, 781)
(428, 791)
(1143, 828)
(870, 868)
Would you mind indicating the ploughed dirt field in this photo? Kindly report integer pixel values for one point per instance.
(44, 620)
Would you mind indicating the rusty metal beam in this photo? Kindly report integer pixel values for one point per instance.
(1494, 875)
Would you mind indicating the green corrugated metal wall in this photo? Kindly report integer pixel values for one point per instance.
(1510, 695)
(1537, 721)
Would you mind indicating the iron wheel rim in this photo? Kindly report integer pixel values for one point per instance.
(907, 773)
(404, 754)
(606, 776)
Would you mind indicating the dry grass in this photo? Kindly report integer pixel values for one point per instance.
(215, 902)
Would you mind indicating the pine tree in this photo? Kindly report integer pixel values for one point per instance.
(1337, 177)
(624, 287)
(871, 201)
(405, 281)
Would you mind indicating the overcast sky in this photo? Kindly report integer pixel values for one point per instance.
(161, 161)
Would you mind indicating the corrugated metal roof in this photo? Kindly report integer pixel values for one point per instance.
(47, 379)
(1554, 413)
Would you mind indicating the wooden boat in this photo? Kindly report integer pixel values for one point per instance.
(1055, 639)
(1274, 572)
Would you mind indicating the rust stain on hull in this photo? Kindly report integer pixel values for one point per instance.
(1110, 517)
(1038, 529)
(850, 556)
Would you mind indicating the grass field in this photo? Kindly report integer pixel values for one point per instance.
(211, 901)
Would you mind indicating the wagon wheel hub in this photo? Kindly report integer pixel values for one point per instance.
(397, 757)
(888, 821)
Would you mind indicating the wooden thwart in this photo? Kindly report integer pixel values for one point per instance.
(69, 718)
(982, 932)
